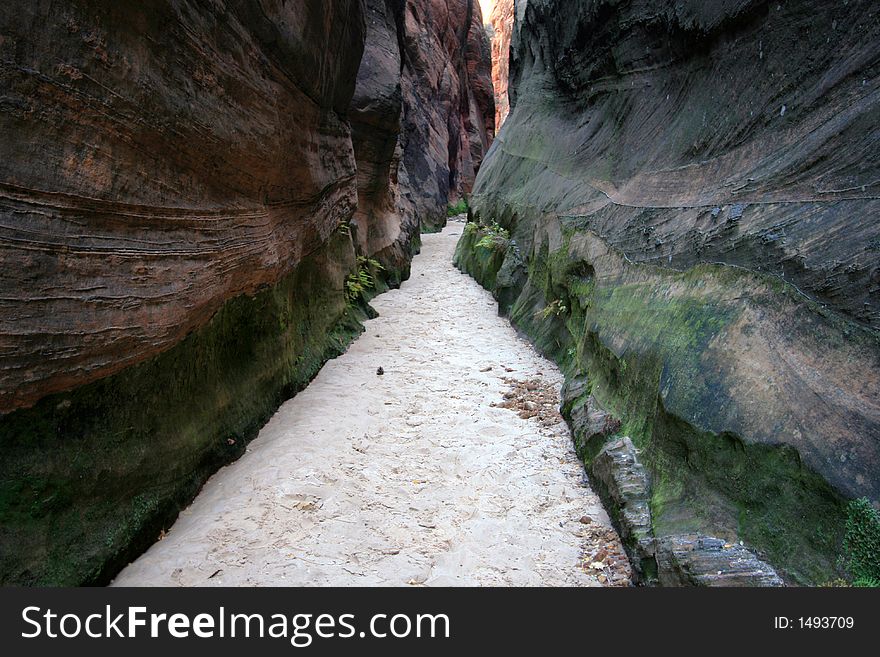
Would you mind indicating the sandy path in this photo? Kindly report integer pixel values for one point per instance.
(407, 478)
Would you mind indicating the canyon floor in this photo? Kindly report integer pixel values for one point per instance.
(452, 467)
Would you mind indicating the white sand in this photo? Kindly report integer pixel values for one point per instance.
(407, 478)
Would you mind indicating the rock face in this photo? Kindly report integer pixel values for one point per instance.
(144, 187)
(617, 474)
(448, 118)
(688, 188)
(480, 124)
(185, 189)
(502, 28)
(385, 229)
(707, 561)
(422, 119)
(616, 470)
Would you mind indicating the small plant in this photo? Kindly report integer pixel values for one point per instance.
(867, 582)
(459, 208)
(553, 308)
(861, 543)
(361, 280)
(494, 237)
(364, 261)
(344, 229)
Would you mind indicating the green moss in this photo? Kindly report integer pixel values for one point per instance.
(703, 482)
(760, 494)
(90, 477)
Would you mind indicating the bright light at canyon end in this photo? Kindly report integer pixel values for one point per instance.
(486, 8)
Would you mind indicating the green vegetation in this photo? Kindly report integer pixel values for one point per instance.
(363, 279)
(556, 308)
(458, 208)
(861, 544)
(492, 237)
(486, 259)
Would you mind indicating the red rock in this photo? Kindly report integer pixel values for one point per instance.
(164, 160)
(169, 159)
(480, 123)
(502, 19)
(382, 231)
(185, 186)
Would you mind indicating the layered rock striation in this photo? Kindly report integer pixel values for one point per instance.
(384, 228)
(684, 195)
(153, 170)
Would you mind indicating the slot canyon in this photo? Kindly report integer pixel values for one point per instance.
(423, 292)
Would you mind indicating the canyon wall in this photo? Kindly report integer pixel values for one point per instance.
(186, 192)
(422, 116)
(156, 171)
(449, 111)
(502, 19)
(384, 228)
(687, 197)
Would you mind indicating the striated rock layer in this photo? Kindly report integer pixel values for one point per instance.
(157, 170)
(384, 228)
(422, 118)
(186, 190)
(689, 192)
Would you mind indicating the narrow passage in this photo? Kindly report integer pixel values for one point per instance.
(451, 468)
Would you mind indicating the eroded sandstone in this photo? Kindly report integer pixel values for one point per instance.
(449, 119)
